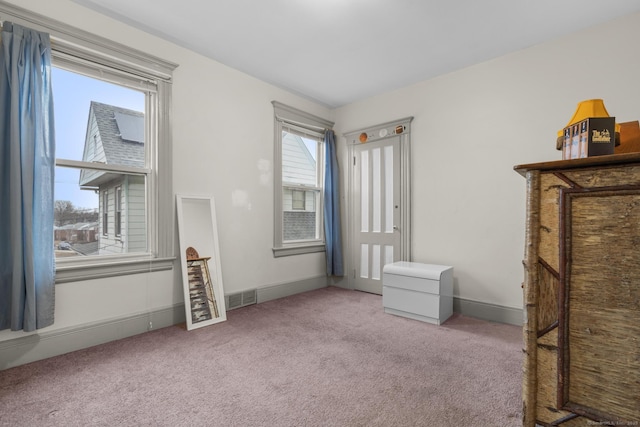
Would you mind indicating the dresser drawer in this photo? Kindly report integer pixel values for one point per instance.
(412, 283)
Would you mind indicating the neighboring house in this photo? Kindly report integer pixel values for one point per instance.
(80, 232)
(116, 136)
(299, 203)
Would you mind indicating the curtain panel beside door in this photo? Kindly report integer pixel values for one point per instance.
(333, 241)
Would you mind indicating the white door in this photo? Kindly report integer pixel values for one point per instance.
(379, 220)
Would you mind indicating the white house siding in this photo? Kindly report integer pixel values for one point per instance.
(93, 150)
(298, 166)
(107, 243)
(133, 231)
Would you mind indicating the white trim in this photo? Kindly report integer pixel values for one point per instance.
(75, 42)
(108, 74)
(281, 290)
(301, 131)
(300, 118)
(298, 249)
(43, 345)
(106, 266)
(129, 170)
(374, 131)
(490, 312)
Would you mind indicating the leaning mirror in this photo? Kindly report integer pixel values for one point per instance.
(200, 261)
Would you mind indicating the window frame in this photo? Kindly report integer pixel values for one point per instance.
(117, 215)
(105, 212)
(82, 52)
(301, 123)
(302, 202)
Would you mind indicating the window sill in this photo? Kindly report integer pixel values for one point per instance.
(298, 249)
(112, 268)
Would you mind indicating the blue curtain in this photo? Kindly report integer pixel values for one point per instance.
(27, 161)
(332, 207)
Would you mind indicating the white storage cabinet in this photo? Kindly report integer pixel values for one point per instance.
(418, 291)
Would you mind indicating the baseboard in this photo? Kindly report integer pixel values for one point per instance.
(43, 345)
(486, 311)
(281, 290)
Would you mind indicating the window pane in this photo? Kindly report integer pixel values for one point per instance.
(105, 213)
(300, 224)
(86, 217)
(76, 216)
(118, 211)
(364, 191)
(97, 121)
(299, 160)
(375, 262)
(375, 189)
(364, 260)
(298, 199)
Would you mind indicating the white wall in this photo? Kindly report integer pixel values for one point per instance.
(472, 126)
(223, 147)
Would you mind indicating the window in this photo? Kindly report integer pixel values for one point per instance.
(298, 199)
(105, 213)
(103, 123)
(137, 89)
(298, 174)
(118, 212)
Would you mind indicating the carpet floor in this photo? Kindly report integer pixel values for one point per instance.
(329, 357)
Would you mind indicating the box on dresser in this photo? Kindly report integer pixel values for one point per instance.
(594, 136)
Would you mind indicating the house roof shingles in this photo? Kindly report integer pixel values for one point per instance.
(117, 150)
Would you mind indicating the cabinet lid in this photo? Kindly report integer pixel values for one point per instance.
(416, 269)
(597, 161)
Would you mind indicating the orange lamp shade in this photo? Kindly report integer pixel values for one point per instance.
(587, 109)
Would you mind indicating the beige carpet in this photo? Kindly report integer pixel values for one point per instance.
(329, 357)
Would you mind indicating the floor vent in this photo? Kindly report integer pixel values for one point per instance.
(241, 299)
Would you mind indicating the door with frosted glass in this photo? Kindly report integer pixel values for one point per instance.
(377, 211)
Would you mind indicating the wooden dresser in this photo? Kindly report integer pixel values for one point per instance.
(582, 292)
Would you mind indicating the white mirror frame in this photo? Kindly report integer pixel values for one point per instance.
(197, 229)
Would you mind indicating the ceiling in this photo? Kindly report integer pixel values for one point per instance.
(336, 52)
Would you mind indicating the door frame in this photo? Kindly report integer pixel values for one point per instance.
(374, 134)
